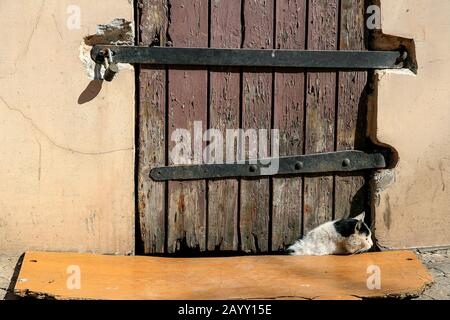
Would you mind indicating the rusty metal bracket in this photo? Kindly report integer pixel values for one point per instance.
(252, 57)
(343, 161)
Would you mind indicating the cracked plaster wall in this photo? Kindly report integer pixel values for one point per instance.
(66, 167)
(413, 116)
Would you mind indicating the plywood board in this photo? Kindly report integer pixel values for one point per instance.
(252, 277)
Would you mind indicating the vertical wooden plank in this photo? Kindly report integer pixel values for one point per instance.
(151, 194)
(288, 118)
(351, 191)
(256, 114)
(224, 114)
(187, 104)
(320, 111)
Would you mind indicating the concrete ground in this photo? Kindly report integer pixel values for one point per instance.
(437, 262)
(7, 267)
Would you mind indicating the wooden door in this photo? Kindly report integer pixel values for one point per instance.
(314, 112)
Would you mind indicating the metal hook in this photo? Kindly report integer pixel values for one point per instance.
(110, 65)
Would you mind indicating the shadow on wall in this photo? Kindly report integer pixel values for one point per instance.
(92, 90)
(383, 178)
(385, 42)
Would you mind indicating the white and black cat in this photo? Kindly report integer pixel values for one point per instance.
(345, 236)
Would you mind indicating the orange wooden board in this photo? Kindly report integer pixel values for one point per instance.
(257, 277)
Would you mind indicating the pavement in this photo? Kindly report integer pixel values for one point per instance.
(437, 262)
(7, 267)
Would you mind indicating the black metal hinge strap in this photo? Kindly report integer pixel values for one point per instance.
(252, 57)
(344, 161)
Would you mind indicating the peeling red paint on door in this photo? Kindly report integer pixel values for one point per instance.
(315, 112)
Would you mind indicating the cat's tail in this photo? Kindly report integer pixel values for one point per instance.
(294, 249)
(289, 251)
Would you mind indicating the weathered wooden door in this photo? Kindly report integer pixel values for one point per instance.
(314, 111)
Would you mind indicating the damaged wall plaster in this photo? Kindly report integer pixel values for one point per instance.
(118, 32)
(382, 180)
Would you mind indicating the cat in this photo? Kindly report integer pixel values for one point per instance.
(339, 237)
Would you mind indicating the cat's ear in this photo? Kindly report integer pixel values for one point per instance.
(361, 217)
(358, 226)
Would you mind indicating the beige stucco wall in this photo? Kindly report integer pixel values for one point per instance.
(66, 169)
(413, 116)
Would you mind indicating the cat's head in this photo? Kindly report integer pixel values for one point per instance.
(357, 235)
